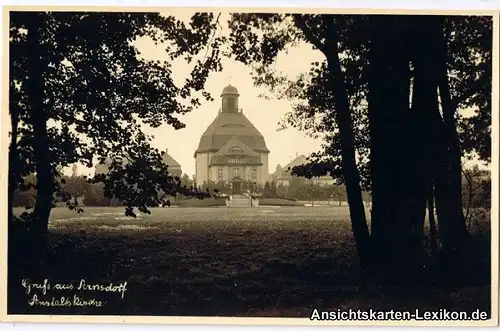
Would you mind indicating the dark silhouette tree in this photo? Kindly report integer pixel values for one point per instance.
(374, 100)
(326, 34)
(80, 91)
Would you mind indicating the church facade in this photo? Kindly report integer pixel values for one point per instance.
(231, 149)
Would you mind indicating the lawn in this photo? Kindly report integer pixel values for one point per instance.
(268, 261)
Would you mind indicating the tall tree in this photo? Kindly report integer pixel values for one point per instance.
(80, 91)
(327, 88)
(325, 33)
(380, 109)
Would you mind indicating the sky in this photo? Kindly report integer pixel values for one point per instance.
(263, 113)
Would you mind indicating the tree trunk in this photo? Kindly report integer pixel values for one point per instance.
(349, 167)
(336, 83)
(426, 120)
(35, 91)
(456, 229)
(391, 157)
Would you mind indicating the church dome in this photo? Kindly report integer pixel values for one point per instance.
(231, 123)
(229, 90)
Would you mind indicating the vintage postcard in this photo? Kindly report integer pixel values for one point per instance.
(237, 166)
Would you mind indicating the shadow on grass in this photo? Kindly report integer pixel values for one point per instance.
(232, 272)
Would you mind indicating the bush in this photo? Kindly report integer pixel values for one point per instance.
(95, 197)
(93, 200)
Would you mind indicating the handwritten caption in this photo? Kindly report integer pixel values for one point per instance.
(46, 294)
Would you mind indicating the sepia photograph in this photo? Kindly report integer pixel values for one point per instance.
(305, 166)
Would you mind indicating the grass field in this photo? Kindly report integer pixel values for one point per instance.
(267, 261)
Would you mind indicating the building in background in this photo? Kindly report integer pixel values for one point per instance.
(174, 168)
(231, 149)
(283, 175)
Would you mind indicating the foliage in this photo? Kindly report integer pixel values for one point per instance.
(311, 189)
(76, 186)
(470, 49)
(257, 40)
(308, 190)
(94, 196)
(476, 192)
(95, 91)
(313, 101)
(25, 195)
(251, 188)
(186, 181)
(221, 187)
(270, 189)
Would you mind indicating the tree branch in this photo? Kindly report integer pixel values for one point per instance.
(301, 24)
(212, 38)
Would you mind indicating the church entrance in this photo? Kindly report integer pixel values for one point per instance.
(236, 186)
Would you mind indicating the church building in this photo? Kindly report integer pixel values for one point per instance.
(231, 149)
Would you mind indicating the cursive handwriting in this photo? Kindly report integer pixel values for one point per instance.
(65, 302)
(29, 286)
(64, 287)
(120, 288)
(39, 293)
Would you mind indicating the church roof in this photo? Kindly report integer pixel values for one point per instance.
(286, 171)
(228, 125)
(170, 161)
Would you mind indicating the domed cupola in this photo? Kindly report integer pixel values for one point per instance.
(230, 99)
